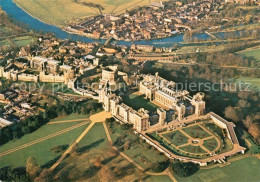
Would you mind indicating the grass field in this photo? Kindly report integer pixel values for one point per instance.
(61, 12)
(176, 137)
(251, 52)
(138, 101)
(23, 40)
(242, 170)
(95, 138)
(41, 151)
(253, 82)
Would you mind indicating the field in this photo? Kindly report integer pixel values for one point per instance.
(252, 52)
(137, 101)
(61, 12)
(41, 151)
(17, 41)
(10, 38)
(246, 169)
(253, 82)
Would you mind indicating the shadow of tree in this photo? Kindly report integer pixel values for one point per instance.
(50, 163)
(92, 145)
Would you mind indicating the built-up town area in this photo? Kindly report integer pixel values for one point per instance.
(156, 21)
(113, 85)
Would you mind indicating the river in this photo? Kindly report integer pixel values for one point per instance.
(34, 24)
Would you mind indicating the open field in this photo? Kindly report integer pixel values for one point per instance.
(17, 41)
(138, 101)
(253, 82)
(95, 138)
(61, 12)
(23, 40)
(246, 169)
(40, 151)
(251, 52)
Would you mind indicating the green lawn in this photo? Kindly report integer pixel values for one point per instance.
(138, 101)
(242, 170)
(4, 43)
(40, 151)
(255, 53)
(196, 132)
(149, 178)
(176, 137)
(95, 138)
(23, 40)
(41, 132)
(252, 82)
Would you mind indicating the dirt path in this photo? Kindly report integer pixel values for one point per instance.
(166, 172)
(99, 117)
(42, 139)
(72, 146)
(107, 133)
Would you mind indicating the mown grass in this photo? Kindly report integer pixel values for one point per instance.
(40, 151)
(41, 132)
(246, 169)
(255, 53)
(138, 101)
(95, 138)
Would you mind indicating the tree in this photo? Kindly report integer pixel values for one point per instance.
(159, 166)
(254, 130)
(231, 113)
(248, 121)
(45, 176)
(32, 167)
(184, 169)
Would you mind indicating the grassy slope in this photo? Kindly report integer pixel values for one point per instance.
(41, 151)
(96, 137)
(60, 12)
(243, 170)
